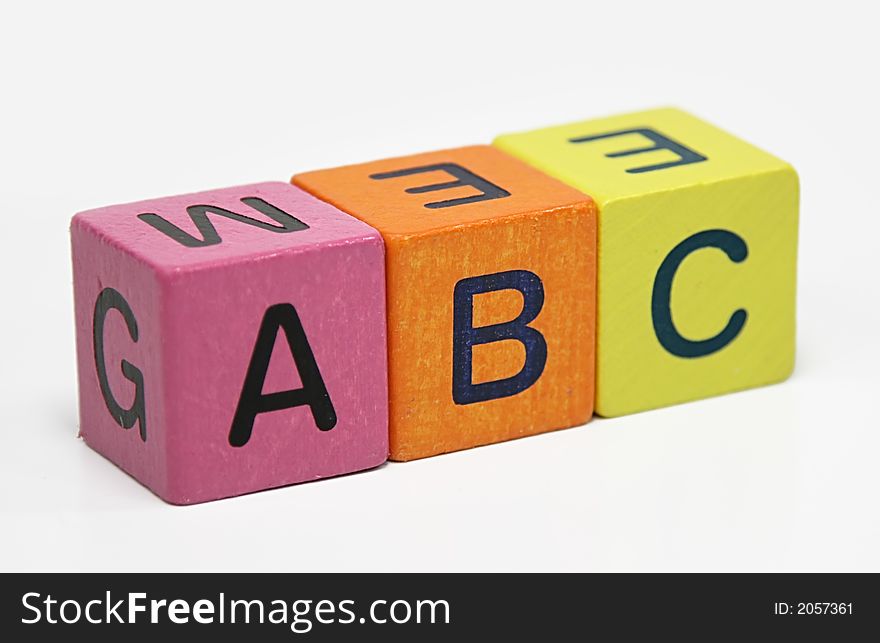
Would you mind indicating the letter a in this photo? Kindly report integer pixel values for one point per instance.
(313, 392)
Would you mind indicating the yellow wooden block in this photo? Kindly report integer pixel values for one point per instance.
(697, 254)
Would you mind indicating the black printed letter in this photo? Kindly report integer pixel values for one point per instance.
(463, 177)
(199, 216)
(465, 336)
(313, 392)
(685, 154)
(107, 299)
(736, 250)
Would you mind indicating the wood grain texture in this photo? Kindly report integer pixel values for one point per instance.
(199, 311)
(681, 206)
(541, 226)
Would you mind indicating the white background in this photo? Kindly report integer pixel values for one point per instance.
(116, 102)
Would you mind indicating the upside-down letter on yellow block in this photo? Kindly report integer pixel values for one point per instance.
(697, 248)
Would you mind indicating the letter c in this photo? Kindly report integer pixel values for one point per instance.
(736, 250)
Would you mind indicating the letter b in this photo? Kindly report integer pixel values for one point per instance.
(465, 336)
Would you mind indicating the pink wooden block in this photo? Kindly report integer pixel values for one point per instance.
(171, 298)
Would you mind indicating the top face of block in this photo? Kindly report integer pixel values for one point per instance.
(638, 153)
(218, 226)
(424, 193)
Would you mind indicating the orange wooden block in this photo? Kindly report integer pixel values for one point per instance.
(491, 273)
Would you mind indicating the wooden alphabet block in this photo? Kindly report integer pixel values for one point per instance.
(697, 252)
(230, 341)
(491, 294)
